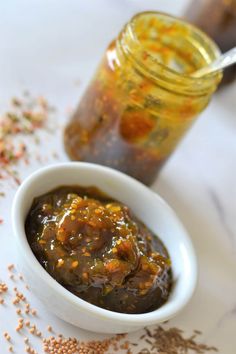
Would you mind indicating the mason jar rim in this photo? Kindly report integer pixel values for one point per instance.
(128, 42)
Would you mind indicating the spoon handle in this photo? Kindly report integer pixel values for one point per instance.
(225, 60)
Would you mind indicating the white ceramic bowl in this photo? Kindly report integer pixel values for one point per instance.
(147, 206)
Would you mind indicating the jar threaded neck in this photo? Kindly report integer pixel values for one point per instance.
(146, 40)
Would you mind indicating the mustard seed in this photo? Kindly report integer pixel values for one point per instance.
(10, 267)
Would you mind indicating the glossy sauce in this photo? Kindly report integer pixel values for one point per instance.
(96, 248)
(135, 111)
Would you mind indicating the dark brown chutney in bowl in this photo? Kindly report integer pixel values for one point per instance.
(96, 248)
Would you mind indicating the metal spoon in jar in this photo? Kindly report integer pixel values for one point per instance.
(225, 60)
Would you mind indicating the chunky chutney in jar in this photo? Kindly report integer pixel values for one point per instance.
(96, 248)
(143, 98)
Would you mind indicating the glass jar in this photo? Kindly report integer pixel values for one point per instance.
(143, 99)
(218, 19)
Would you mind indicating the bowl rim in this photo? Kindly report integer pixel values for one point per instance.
(159, 315)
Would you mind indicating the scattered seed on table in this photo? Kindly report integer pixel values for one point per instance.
(10, 267)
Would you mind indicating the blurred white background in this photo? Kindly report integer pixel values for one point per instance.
(38, 37)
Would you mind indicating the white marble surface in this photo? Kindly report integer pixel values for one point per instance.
(51, 48)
